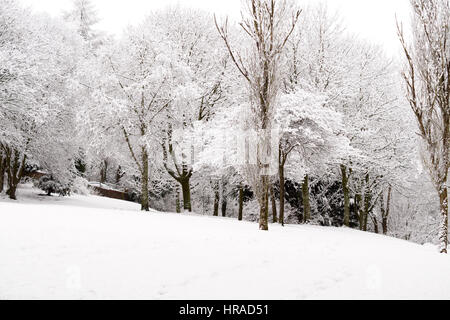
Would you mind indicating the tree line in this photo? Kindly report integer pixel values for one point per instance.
(282, 117)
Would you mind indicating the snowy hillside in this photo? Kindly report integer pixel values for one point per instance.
(95, 248)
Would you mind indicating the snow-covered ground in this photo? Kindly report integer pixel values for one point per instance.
(97, 248)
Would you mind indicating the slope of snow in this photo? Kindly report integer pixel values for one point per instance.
(97, 248)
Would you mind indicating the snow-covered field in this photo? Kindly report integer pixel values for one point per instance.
(97, 248)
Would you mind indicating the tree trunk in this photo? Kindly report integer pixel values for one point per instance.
(104, 172)
(383, 212)
(359, 211)
(145, 177)
(2, 173)
(385, 225)
(12, 192)
(264, 204)
(15, 172)
(274, 205)
(306, 203)
(241, 203)
(224, 198)
(182, 174)
(386, 212)
(346, 190)
(282, 191)
(224, 206)
(375, 224)
(365, 216)
(186, 188)
(178, 204)
(216, 199)
(367, 202)
(443, 234)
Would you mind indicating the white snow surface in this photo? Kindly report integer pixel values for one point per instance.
(87, 247)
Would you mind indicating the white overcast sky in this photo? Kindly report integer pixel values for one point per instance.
(371, 19)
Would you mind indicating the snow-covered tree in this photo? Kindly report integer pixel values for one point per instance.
(83, 17)
(310, 139)
(427, 78)
(38, 60)
(193, 35)
(179, 109)
(268, 25)
(146, 78)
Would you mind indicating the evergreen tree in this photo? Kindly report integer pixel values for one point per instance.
(84, 17)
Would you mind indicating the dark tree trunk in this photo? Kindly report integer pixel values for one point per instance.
(104, 172)
(346, 190)
(264, 204)
(224, 199)
(2, 173)
(386, 211)
(383, 212)
(216, 199)
(224, 206)
(306, 203)
(241, 203)
(365, 217)
(282, 195)
(367, 203)
(385, 225)
(12, 192)
(178, 202)
(375, 225)
(15, 172)
(145, 206)
(359, 211)
(186, 188)
(274, 205)
(443, 235)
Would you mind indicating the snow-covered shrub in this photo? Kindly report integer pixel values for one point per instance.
(50, 186)
(292, 214)
(80, 186)
(251, 210)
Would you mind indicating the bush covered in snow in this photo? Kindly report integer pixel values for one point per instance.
(50, 186)
(80, 186)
